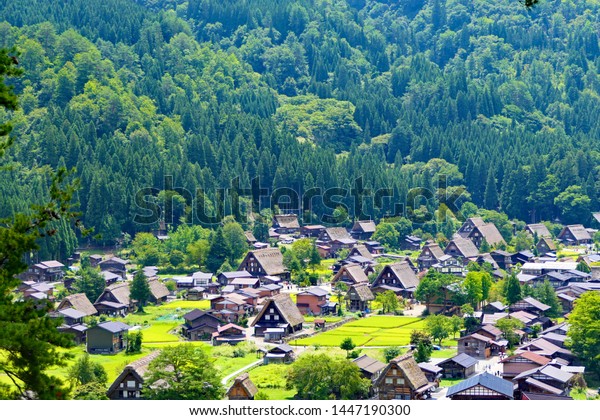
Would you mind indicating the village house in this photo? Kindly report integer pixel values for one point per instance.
(521, 362)
(311, 231)
(430, 255)
(477, 230)
(546, 379)
(115, 265)
(265, 262)
(502, 258)
(108, 337)
(110, 278)
(77, 331)
(359, 298)
(268, 290)
(129, 385)
(360, 250)
(79, 302)
(39, 291)
(158, 291)
(350, 274)
(199, 325)
(230, 307)
(363, 229)
(538, 229)
(227, 277)
(286, 224)
(530, 305)
(278, 318)
(282, 353)
(547, 349)
(575, 235)
(228, 334)
(494, 307)
(399, 278)
(244, 282)
(484, 386)
(545, 246)
(462, 247)
(478, 345)
(45, 271)
(433, 373)
(72, 323)
(402, 379)
(115, 300)
(95, 259)
(369, 368)
(449, 264)
(312, 301)
(242, 388)
(336, 238)
(374, 247)
(460, 366)
(411, 243)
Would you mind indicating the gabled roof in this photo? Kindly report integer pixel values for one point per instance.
(316, 291)
(535, 303)
(493, 318)
(433, 248)
(235, 274)
(354, 271)
(244, 281)
(491, 234)
(338, 233)
(109, 276)
(244, 381)
(497, 305)
(288, 221)
(544, 347)
(366, 226)
(202, 276)
(549, 243)
(411, 371)
(270, 259)
(114, 260)
(556, 374)
(464, 245)
(368, 364)
(486, 380)
(250, 236)
(490, 329)
(119, 290)
(52, 264)
(138, 369)
(158, 289)
(534, 357)
(230, 326)
(362, 251)
(286, 307)
(523, 316)
(197, 313)
(462, 359)
(363, 291)
(579, 232)
(428, 367)
(405, 274)
(540, 229)
(71, 313)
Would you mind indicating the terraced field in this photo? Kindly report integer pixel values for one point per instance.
(372, 331)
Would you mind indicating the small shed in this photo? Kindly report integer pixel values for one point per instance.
(460, 366)
(280, 354)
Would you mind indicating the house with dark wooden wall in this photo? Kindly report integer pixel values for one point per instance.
(107, 338)
(402, 379)
(242, 388)
(278, 318)
(129, 385)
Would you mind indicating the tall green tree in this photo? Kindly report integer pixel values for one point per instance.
(584, 331)
(512, 289)
(140, 290)
(218, 251)
(89, 281)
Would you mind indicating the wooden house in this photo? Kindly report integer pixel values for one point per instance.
(547, 349)
(77, 331)
(369, 368)
(374, 247)
(129, 385)
(530, 305)
(245, 282)
(265, 262)
(494, 307)
(227, 277)
(430, 255)
(521, 362)
(115, 300)
(460, 366)
(286, 224)
(95, 259)
(538, 229)
(433, 373)
(484, 386)
(268, 290)
(489, 331)
(78, 301)
(350, 274)
(399, 278)
(199, 325)
(230, 307)
(575, 235)
(478, 345)
(39, 291)
(449, 264)
(462, 247)
(411, 243)
(360, 250)
(363, 229)
(402, 379)
(312, 301)
(282, 353)
(311, 231)
(546, 379)
(242, 388)
(110, 278)
(278, 318)
(336, 238)
(107, 338)
(477, 230)
(228, 334)
(115, 265)
(250, 238)
(359, 298)
(45, 271)
(545, 245)
(158, 291)
(502, 258)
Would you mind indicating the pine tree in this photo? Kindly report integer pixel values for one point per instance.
(490, 197)
(140, 290)
(513, 289)
(217, 252)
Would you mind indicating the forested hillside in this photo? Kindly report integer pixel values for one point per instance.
(497, 98)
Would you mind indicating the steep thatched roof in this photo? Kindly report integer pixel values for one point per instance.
(361, 250)
(434, 250)
(286, 307)
(120, 292)
(579, 232)
(287, 221)
(353, 271)
(540, 229)
(138, 369)
(363, 291)
(410, 369)
(270, 259)
(366, 226)
(244, 381)
(465, 246)
(158, 289)
(80, 302)
(405, 274)
(337, 233)
(491, 234)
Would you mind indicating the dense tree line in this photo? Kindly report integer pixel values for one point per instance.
(494, 99)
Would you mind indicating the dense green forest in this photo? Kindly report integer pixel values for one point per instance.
(487, 97)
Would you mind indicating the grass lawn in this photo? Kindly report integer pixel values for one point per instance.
(445, 383)
(271, 380)
(443, 353)
(329, 319)
(158, 332)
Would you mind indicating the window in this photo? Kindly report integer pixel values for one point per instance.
(389, 380)
(267, 317)
(130, 384)
(271, 311)
(276, 317)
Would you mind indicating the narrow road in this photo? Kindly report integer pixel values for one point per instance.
(237, 372)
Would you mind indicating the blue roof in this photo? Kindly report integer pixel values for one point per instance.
(486, 380)
(114, 326)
